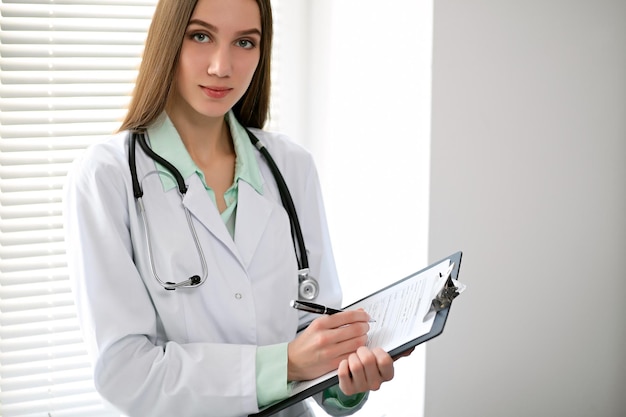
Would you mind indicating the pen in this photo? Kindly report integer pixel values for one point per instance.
(316, 308)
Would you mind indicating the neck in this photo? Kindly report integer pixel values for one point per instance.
(205, 138)
(210, 145)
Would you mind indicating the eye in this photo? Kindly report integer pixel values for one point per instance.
(245, 43)
(200, 37)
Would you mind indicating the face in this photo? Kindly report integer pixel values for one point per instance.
(219, 54)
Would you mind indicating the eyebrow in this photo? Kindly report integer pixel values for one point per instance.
(253, 31)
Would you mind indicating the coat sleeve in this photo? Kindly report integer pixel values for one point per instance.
(139, 374)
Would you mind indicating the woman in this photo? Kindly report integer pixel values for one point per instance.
(225, 345)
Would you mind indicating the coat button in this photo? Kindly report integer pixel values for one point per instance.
(238, 296)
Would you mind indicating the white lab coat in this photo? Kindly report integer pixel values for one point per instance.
(189, 352)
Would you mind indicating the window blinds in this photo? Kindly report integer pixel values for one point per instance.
(67, 69)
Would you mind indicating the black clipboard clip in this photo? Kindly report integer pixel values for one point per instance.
(448, 292)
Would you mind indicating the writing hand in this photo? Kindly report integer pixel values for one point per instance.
(325, 343)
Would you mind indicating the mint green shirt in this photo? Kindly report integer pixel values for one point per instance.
(162, 140)
(271, 360)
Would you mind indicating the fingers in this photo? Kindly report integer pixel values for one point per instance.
(344, 318)
(385, 364)
(344, 331)
(325, 343)
(365, 370)
(347, 332)
(336, 344)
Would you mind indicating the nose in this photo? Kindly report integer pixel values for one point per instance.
(220, 64)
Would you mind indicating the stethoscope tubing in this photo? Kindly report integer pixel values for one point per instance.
(194, 281)
(285, 196)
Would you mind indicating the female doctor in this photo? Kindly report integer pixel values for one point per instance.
(183, 284)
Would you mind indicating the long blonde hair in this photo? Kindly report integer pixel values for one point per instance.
(160, 59)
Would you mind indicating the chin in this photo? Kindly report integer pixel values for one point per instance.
(213, 112)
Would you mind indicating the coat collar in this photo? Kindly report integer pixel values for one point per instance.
(166, 142)
(253, 215)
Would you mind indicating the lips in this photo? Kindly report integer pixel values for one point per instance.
(216, 92)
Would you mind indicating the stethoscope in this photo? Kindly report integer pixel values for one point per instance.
(308, 288)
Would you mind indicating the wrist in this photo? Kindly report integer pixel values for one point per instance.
(293, 373)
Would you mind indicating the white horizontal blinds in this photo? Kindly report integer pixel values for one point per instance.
(67, 69)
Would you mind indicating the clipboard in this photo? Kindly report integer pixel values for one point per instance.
(439, 305)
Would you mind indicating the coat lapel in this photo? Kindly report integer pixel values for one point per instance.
(199, 204)
(253, 215)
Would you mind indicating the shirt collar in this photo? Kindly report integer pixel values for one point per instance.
(165, 141)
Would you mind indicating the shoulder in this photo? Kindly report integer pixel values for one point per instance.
(295, 163)
(112, 149)
(105, 159)
(284, 150)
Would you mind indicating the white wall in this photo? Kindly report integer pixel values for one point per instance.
(367, 77)
(528, 179)
(370, 126)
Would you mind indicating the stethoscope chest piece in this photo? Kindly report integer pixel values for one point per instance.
(308, 287)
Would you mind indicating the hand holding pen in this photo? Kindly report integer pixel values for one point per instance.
(325, 343)
(338, 340)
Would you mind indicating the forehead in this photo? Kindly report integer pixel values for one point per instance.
(229, 14)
